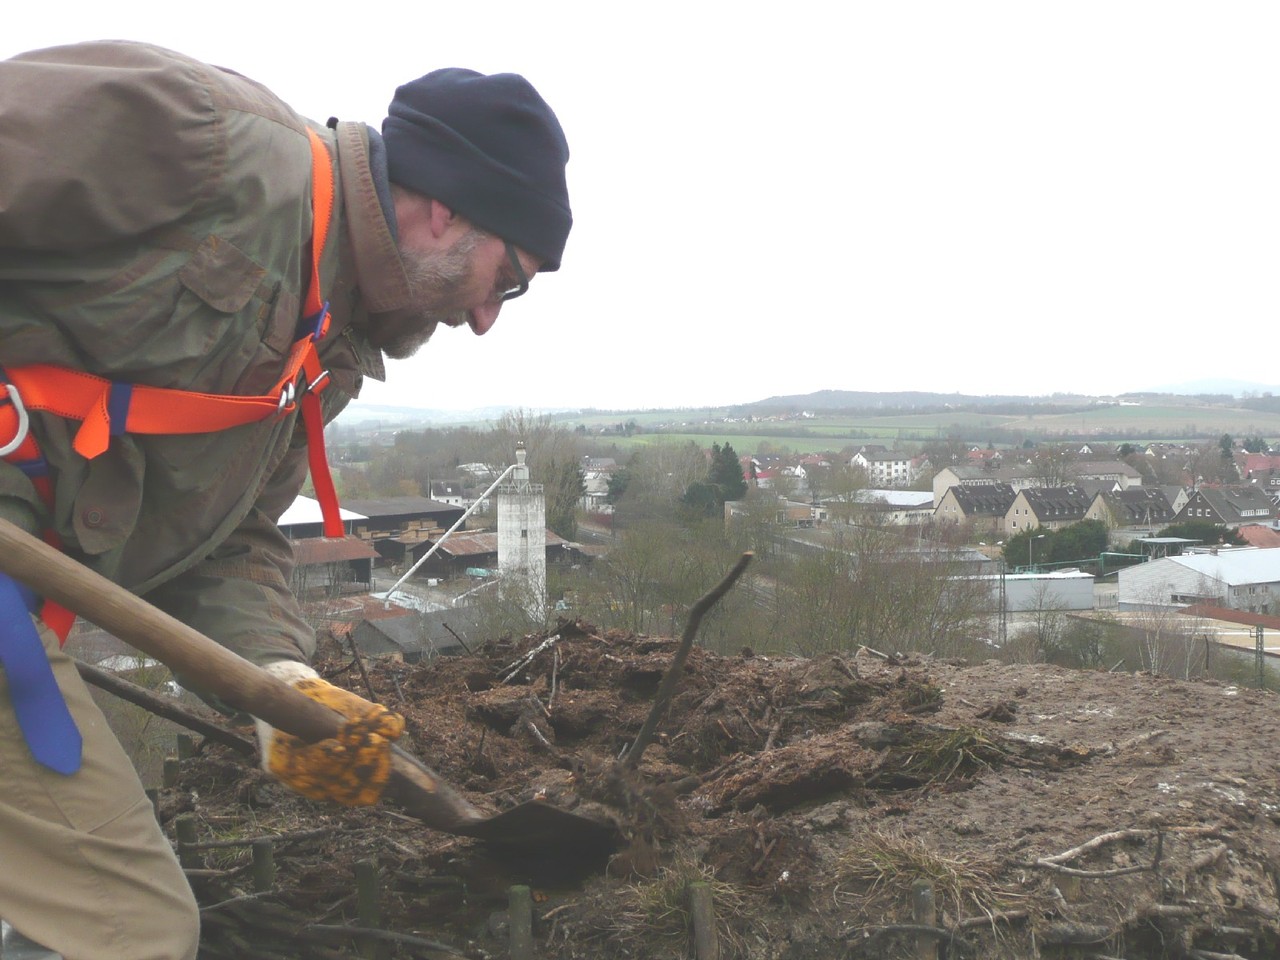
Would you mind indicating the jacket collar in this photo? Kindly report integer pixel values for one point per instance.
(379, 271)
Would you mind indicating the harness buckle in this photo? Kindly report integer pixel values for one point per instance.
(287, 396)
(24, 423)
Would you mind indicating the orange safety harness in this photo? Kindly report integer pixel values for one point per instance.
(106, 408)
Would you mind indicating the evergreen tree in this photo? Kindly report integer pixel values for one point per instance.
(726, 472)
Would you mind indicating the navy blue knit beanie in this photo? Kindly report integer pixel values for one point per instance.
(489, 148)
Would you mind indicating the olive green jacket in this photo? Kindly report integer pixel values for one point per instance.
(154, 222)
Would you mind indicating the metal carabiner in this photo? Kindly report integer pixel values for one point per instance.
(287, 396)
(24, 423)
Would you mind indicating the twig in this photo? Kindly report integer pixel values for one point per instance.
(538, 735)
(555, 669)
(773, 733)
(875, 653)
(1140, 738)
(1006, 916)
(667, 689)
(374, 933)
(1208, 858)
(234, 901)
(273, 837)
(456, 637)
(1105, 838)
(364, 674)
(166, 708)
(1169, 910)
(513, 668)
(1092, 874)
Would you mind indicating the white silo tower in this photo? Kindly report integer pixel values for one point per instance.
(522, 540)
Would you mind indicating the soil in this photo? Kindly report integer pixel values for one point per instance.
(1050, 812)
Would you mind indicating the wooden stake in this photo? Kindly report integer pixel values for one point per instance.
(368, 909)
(706, 942)
(264, 866)
(520, 922)
(185, 828)
(924, 913)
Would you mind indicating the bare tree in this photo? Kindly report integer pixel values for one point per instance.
(1053, 466)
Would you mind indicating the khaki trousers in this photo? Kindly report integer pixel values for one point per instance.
(84, 867)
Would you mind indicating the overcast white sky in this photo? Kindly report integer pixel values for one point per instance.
(1011, 197)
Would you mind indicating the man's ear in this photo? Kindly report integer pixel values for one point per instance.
(442, 218)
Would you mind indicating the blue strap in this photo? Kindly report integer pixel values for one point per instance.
(118, 399)
(42, 712)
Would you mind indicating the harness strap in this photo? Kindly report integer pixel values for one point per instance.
(106, 408)
(42, 713)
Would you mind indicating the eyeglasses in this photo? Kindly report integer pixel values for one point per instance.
(522, 287)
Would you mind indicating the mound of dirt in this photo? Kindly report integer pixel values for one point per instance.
(846, 806)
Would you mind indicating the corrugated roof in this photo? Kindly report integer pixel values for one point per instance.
(475, 544)
(313, 550)
(1234, 567)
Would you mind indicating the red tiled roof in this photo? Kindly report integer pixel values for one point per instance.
(1257, 535)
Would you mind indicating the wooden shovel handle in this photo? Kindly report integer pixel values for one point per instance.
(211, 666)
(187, 652)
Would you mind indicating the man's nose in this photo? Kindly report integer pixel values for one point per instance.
(482, 318)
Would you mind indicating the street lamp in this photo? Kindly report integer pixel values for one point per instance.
(1031, 543)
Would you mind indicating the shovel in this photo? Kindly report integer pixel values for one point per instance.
(532, 827)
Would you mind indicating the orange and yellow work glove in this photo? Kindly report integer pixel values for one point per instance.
(351, 768)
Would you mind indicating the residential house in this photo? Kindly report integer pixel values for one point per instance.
(1261, 469)
(1115, 472)
(448, 491)
(1229, 506)
(1023, 476)
(1135, 512)
(980, 457)
(1049, 507)
(888, 469)
(982, 506)
(1017, 476)
(1177, 495)
(1259, 535)
(1243, 579)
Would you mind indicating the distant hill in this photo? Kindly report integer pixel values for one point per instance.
(829, 400)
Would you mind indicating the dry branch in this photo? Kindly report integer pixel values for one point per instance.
(667, 689)
(364, 674)
(165, 707)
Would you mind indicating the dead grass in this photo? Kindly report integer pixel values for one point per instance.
(656, 913)
(882, 867)
(940, 756)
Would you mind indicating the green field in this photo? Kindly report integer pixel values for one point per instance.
(1179, 419)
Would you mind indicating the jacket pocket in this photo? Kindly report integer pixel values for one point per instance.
(221, 275)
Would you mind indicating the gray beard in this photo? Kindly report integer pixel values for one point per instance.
(434, 281)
